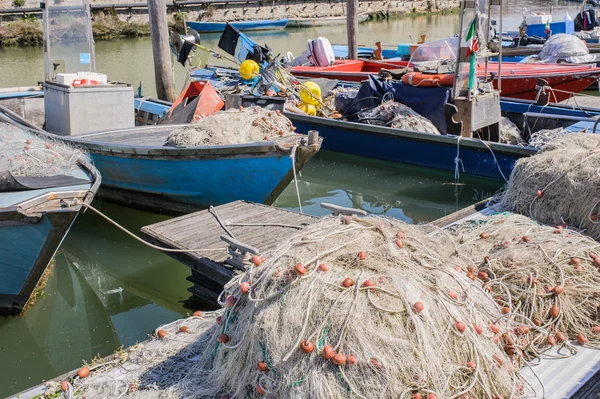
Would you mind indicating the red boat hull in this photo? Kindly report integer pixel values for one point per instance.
(518, 80)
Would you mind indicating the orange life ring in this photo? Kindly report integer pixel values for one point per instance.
(428, 79)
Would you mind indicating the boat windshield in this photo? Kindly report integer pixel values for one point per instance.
(438, 56)
(68, 41)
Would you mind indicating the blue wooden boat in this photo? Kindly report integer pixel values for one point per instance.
(36, 213)
(263, 24)
(139, 171)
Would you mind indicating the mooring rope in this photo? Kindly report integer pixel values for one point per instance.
(88, 206)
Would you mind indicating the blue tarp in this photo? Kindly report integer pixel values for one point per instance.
(426, 101)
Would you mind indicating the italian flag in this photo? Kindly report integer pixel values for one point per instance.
(471, 39)
(473, 46)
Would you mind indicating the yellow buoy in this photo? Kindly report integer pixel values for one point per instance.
(310, 93)
(309, 109)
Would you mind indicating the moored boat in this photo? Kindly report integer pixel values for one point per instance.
(41, 182)
(264, 24)
(518, 80)
(322, 21)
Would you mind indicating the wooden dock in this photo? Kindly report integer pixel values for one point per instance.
(260, 226)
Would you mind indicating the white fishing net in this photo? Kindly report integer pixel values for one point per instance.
(234, 126)
(366, 308)
(27, 154)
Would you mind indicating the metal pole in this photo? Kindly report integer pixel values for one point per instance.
(352, 27)
(500, 53)
(159, 32)
(459, 49)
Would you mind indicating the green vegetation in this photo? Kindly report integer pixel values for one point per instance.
(109, 26)
(18, 3)
(22, 33)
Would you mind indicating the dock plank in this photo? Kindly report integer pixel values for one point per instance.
(202, 230)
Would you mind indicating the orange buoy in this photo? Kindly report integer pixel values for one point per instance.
(525, 239)
(560, 337)
(554, 311)
(581, 339)
(339, 359)
(505, 310)
(324, 267)
(362, 255)
(399, 243)
(300, 269)
(259, 390)
(257, 260)
(197, 313)
(376, 363)
(431, 395)
(471, 365)
(460, 326)
(557, 290)
(245, 287)
(347, 283)
(83, 372)
(306, 346)
(478, 329)
(161, 334)
(368, 283)
(550, 340)
(352, 360)
(230, 301)
(262, 366)
(418, 307)
(453, 295)
(328, 352)
(400, 235)
(417, 395)
(596, 329)
(184, 329)
(483, 276)
(219, 320)
(223, 338)
(428, 79)
(539, 193)
(485, 235)
(64, 386)
(498, 359)
(471, 276)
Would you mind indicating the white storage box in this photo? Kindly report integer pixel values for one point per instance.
(538, 19)
(67, 79)
(72, 111)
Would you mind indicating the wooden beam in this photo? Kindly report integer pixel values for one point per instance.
(352, 27)
(159, 32)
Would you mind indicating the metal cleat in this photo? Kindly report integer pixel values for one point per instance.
(238, 252)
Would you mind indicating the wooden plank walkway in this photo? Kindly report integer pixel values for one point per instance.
(260, 226)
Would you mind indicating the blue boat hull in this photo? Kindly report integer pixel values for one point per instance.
(414, 148)
(26, 248)
(205, 27)
(176, 185)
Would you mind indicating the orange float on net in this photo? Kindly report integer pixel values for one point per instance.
(362, 255)
(83, 372)
(300, 269)
(328, 352)
(596, 329)
(339, 359)
(197, 313)
(581, 339)
(399, 243)
(431, 395)
(352, 360)
(478, 329)
(428, 79)
(460, 326)
(418, 307)
(417, 395)
(347, 283)
(324, 267)
(64, 386)
(259, 390)
(161, 334)
(557, 290)
(485, 235)
(560, 337)
(245, 287)
(368, 283)
(554, 311)
(471, 365)
(184, 329)
(262, 366)
(230, 301)
(257, 260)
(306, 346)
(219, 320)
(223, 338)
(453, 295)
(550, 340)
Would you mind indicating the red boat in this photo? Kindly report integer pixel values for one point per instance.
(518, 80)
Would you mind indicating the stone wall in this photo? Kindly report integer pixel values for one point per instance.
(273, 9)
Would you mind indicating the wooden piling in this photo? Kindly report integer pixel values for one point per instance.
(352, 27)
(159, 32)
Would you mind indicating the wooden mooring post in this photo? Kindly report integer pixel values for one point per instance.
(159, 32)
(352, 27)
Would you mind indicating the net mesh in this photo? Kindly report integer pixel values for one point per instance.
(27, 154)
(367, 308)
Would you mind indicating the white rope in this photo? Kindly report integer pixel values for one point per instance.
(293, 156)
(88, 206)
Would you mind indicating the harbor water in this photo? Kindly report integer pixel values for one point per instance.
(106, 291)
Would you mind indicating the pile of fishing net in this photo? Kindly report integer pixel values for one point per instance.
(545, 278)
(561, 184)
(26, 154)
(399, 116)
(509, 132)
(366, 308)
(234, 126)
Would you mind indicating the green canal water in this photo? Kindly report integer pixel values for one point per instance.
(108, 291)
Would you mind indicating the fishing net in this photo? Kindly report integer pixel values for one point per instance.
(398, 116)
(560, 184)
(347, 308)
(542, 137)
(509, 132)
(234, 126)
(545, 278)
(27, 154)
